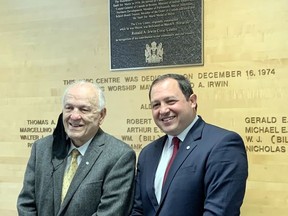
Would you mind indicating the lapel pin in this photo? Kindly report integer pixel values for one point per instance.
(87, 163)
(188, 147)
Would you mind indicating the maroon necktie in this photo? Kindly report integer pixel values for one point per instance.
(176, 142)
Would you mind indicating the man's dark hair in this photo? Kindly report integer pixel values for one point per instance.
(183, 82)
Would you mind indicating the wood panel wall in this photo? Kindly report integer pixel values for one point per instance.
(46, 44)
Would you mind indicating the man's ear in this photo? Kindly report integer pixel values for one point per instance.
(193, 99)
(102, 115)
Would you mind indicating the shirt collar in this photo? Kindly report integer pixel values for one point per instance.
(82, 149)
(184, 133)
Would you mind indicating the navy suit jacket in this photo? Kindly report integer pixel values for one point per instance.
(208, 176)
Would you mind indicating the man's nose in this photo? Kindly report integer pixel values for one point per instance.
(75, 115)
(163, 109)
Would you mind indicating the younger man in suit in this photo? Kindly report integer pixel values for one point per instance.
(208, 174)
(103, 182)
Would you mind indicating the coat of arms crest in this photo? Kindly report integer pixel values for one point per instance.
(154, 53)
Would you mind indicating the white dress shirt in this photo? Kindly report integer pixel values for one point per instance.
(165, 157)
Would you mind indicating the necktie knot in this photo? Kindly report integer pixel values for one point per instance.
(75, 153)
(176, 142)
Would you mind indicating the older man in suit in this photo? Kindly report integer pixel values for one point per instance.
(202, 173)
(103, 182)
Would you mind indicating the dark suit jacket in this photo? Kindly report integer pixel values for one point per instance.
(208, 176)
(102, 185)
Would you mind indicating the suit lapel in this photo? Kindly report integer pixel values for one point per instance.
(188, 145)
(58, 173)
(151, 166)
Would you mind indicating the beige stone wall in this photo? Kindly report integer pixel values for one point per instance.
(45, 44)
